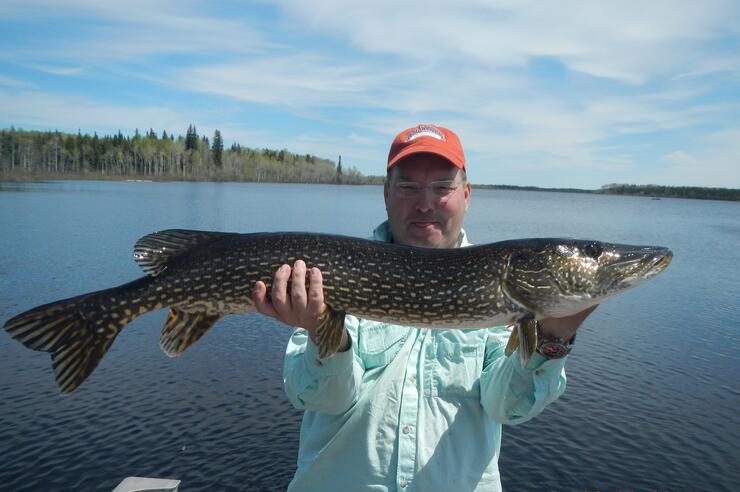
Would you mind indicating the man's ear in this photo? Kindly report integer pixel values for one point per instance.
(468, 190)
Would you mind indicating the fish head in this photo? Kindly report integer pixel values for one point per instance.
(556, 277)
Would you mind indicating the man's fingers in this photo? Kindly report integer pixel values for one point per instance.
(316, 293)
(279, 294)
(295, 307)
(261, 302)
(298, 287)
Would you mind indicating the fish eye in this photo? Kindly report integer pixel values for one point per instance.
(593, 250)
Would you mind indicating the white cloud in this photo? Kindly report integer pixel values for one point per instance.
(15, 83)
(629, 41)
(56, 69)
(715, 162)
(115, 31)
(63, 112)
(626, 70)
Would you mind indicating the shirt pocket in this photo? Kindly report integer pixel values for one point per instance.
(457, 369)
(378, 343)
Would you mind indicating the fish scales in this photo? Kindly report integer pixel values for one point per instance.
(201, 276)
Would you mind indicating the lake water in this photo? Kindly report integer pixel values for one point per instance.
(653, 399)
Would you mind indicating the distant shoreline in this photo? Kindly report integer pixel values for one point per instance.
(35, 155)
(652, 191)
(648, 191)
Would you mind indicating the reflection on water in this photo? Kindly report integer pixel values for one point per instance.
(652, 393)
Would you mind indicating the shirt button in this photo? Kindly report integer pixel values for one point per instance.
(412, 378)
(403, 483)
(538, 372)
(406, 430)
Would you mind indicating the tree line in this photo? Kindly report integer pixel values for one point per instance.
(54, 154)
(732, 194)
(671, 191)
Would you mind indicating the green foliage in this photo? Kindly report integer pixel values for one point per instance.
(217, 150)
(672, 191)
(191, 138)
(638, 190)
(35, 154)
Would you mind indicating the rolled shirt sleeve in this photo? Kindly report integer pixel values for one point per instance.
(327, 385)
(512, 393)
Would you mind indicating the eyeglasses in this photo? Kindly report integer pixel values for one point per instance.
(412, 189)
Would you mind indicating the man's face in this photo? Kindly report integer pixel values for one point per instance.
(427, 218)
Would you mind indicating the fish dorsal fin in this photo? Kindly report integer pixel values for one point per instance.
(154, 251)
(182, 329)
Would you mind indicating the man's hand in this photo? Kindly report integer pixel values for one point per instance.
(564, 327)
(294, 308)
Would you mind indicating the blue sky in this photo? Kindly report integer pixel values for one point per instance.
(554, 94)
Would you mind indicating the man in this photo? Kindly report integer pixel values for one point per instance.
(400, 408)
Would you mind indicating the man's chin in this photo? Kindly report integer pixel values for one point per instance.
(427, 237)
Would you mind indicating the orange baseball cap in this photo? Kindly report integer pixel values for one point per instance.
(427, 138)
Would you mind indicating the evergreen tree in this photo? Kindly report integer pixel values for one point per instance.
(339, 170)
(191, 138)
(218, 148)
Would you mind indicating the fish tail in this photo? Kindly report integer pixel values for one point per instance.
(77, 332)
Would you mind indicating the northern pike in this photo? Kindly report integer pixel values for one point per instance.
(201, 276)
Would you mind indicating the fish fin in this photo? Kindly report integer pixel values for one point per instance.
(527, 334)
(513, 343)
(67, 330)
(329, 332)
(182, 329)
(154, 251)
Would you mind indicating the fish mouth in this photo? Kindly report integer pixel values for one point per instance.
(644, 263)
(662, 262)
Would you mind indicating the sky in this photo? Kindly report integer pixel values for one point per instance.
(552, 94)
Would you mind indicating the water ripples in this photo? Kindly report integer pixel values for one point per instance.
(653, 392)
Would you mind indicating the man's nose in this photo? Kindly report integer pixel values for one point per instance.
(426, 200)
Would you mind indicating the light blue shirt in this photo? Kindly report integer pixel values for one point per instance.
(409, 409)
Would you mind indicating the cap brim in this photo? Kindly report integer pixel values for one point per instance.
(426, 149)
